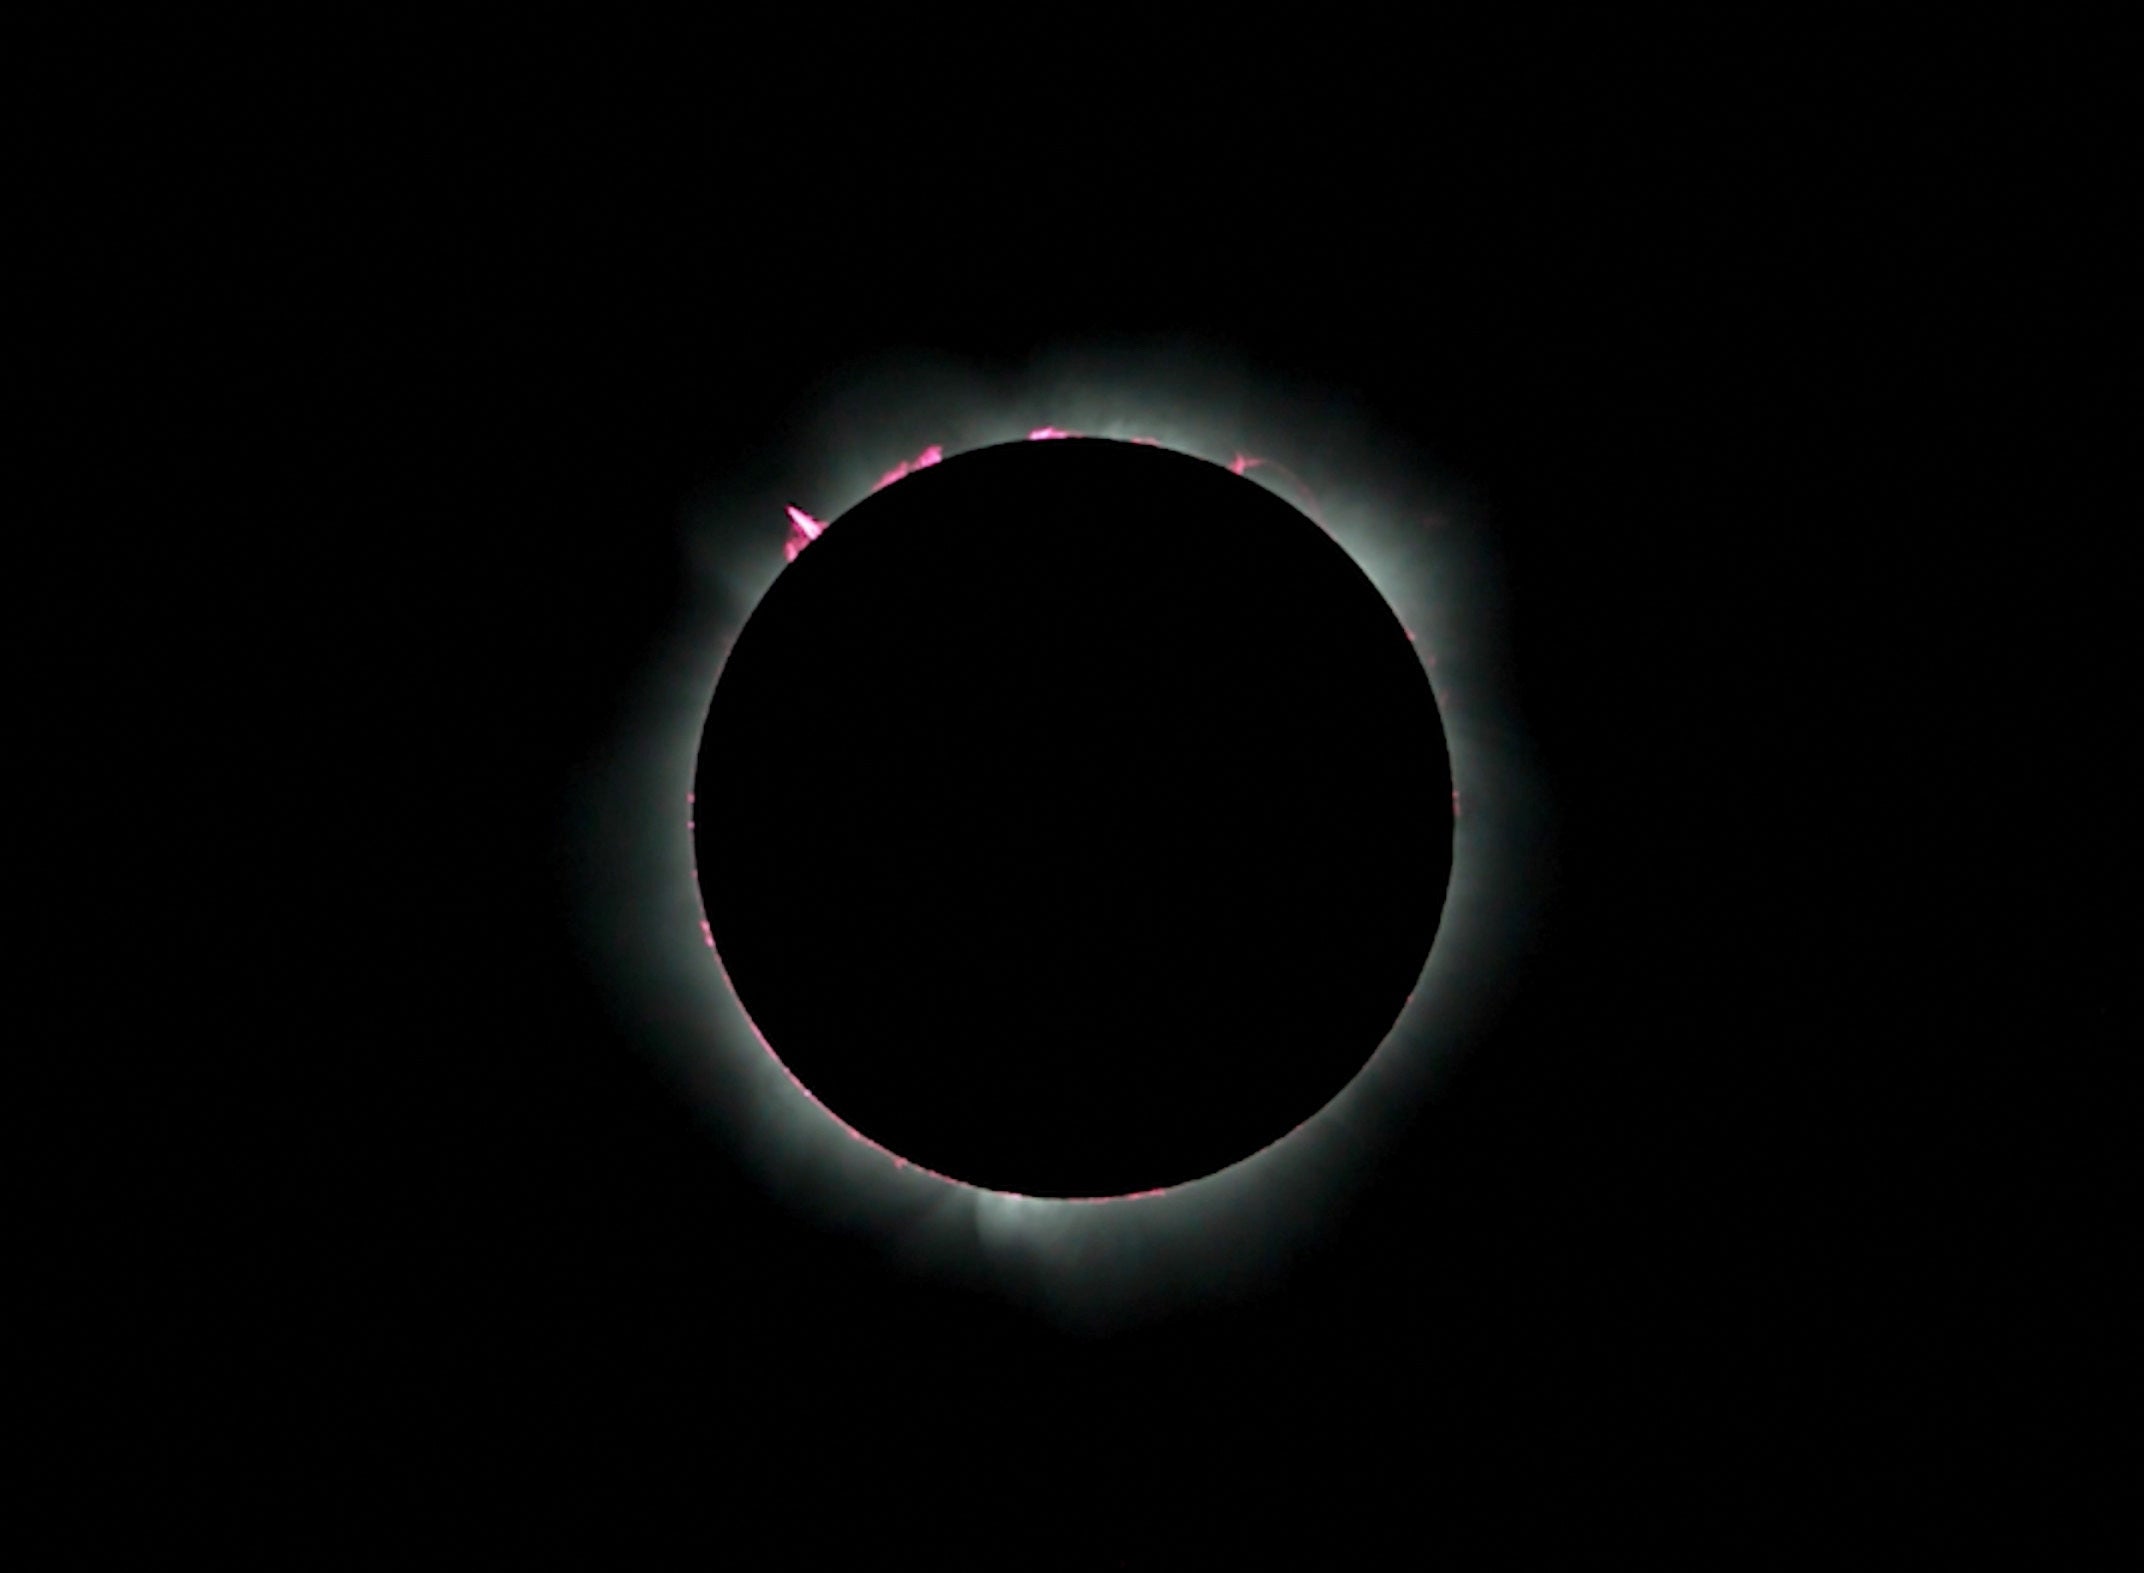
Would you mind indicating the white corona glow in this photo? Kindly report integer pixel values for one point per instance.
(1088, 1266)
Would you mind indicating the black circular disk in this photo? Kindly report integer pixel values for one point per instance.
(1073, 818)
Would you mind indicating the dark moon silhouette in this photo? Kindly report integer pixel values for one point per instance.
(1073, 818)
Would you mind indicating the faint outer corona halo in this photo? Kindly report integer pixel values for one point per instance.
(1093, 848)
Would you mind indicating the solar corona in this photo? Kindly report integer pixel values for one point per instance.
(1089, 843)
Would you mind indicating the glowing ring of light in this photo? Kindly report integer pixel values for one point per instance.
(1082, 1262)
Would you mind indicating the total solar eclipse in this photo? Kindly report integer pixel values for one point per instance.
(1073, 818)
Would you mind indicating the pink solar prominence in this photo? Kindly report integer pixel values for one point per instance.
(804, 527)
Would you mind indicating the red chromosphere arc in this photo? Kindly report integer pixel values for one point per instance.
(1279, 737)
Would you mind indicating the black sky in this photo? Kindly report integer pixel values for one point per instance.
(1746, 1228)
